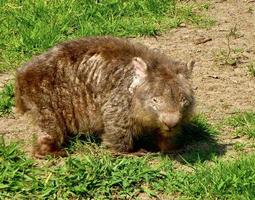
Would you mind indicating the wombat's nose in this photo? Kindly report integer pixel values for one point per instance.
(170, 119)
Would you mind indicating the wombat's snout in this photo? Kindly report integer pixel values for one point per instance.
(170, 119)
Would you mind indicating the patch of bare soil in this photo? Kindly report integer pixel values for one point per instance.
(221, 89)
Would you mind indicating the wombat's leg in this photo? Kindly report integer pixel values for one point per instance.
(46, 145)
(118, 135)
(51, 142)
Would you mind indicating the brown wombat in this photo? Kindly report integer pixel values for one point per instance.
(104, 85)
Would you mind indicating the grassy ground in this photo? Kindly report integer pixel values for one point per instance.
(30, 27)
(93, 173)
(244, 123)
(6, 99)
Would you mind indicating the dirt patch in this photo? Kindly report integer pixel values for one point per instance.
(220, 89)
(5, 78)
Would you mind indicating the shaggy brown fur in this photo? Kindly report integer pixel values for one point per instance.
(104, 85)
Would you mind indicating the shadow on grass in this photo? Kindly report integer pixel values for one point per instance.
(199, 143)
(196, 144)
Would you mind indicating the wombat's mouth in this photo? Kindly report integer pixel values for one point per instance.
(164, 127)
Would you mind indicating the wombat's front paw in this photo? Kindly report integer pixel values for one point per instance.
(45, 146)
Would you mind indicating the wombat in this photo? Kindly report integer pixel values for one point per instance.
(109, 86)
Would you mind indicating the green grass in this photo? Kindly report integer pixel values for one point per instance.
(87, 176)
(199, 135)
(238, 146)
(30, 27)
(6, 99)
(243, 123)
(225, 180)
(99, 175)
(251, 69)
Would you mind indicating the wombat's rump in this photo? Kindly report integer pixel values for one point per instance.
(108, 86)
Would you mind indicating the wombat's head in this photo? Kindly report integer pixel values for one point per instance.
(162, 94)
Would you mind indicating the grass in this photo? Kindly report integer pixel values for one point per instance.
(30, 27)
(87, 176)
(225, 180)
(6, 99)
(199, 135)
(239, 146)
(99, 175)
(243, 123)
(251, 69)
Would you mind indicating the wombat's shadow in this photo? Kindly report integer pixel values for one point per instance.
(197, 143)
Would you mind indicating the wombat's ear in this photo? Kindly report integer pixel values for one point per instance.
(140, 67)
(185, 69)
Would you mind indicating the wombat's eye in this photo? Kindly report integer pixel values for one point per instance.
(185, 102)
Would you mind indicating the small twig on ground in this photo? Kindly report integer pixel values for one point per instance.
(202, 40)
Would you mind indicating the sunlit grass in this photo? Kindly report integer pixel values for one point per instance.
(6, 99)
(29, 27)
(103, 176)
(243, 123)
